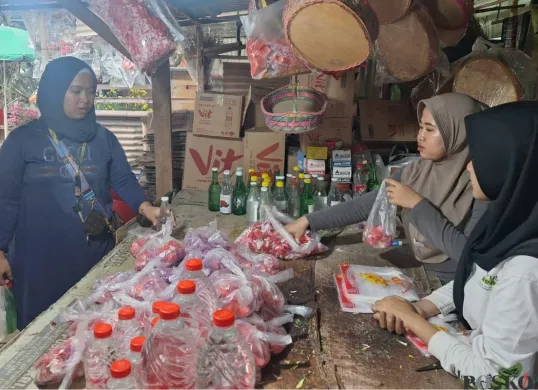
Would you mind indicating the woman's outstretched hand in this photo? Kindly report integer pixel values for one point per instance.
(402, 195)
(298, 228)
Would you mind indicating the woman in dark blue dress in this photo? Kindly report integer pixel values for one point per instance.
(45, 247)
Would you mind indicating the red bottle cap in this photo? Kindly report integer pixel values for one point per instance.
(223, 318)
(102, 331)
(126, 313)
(186, 287)
(120, 369)
(157, 306)
(170, 311)
(359, 166)
(138, 342)
(193, 265)
(154, 321)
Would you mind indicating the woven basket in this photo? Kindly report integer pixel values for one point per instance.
(294, 122)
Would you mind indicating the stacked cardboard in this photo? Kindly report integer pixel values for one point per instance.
(386, 120)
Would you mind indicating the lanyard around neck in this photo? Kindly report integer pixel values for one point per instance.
(66, 152)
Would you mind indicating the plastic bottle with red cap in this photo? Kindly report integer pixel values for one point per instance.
(135, 356)
(169, 354)
(234, 368)
(127, 327)
(204, 288)
(98, 357)
(193, 312)
(121, 375)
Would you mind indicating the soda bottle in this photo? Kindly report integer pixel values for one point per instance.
(276, 175)
(372, 183)
(135, 356)
(169, 354)
(314, 181)
(253, 201)
(296, 171)
(225, 361)
(126, 328)
(288, 182)
(251, 172)
(300, 185)
(335, 195)
(163, 213)
(360, 181)
(307, 198)
(320, 196)
(239, 195)
(294, 203)
(265, 201)
(121, 376)
(214, 191)
(204, 288)
(194, 313)
(226, 194)
(267, 184)
(9, 307)
(98, 356)
(280, 198)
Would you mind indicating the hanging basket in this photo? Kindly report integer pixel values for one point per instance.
(295, 121)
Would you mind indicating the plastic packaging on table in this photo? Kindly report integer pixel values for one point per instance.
(98, 357)
(274, 332)
(236, 293)
(268, 51)
(145, 28)
(169, 355)
(380, 229)
(235, 367)
(273, 299)
(102, 292)
(271, 237)
(194, 313)
(121, 376)
(8, 312)
(158, 245)
(213, 259)
(203, 239)
(135, 357)
(128, 326)
(256, 262)
(62, 361)
(143, 310)
(363, 285)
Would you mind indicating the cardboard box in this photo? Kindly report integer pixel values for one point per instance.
(316, 152)
(253, 115)
(315, 167)
(339, 92)
(341, 174)
(331, 128)
(385, 120)
(204, 153)
(218, 115)
(265, 150)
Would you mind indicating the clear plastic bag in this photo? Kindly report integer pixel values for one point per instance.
(268, 51)
(272, 238)
(158, 245)
(256, 262)
(146, 29)
(273, 330)
(202, 240)
(380, 229)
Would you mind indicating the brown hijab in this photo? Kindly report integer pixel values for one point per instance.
(445, 183)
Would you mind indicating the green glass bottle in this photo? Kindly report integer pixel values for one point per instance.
(239, 194)
(214, 191)
(372, 183)
(307, 198)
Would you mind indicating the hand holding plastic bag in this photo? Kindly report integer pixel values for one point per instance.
(380, 229)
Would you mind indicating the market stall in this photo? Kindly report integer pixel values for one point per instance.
(332, 349)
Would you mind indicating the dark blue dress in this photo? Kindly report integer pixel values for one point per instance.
(41, 234)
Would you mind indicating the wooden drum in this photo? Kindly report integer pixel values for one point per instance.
(449, 14)
(409, 47)
(330, 35)
(389, 11)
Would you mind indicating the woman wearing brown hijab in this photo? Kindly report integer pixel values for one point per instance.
(435, 191)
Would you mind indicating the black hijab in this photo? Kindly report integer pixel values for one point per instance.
(54, 83)
(503, 146)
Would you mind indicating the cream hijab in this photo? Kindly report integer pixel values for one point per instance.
(446, 182)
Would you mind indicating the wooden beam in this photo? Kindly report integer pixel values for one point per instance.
(162, 128)
(94, 22)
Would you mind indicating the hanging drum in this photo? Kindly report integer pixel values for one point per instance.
(409, 47)
(449, 14)
(450, 38)
(389, 11)
(330, 35)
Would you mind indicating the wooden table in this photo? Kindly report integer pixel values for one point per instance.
(333, 350)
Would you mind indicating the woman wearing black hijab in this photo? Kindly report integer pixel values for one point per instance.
(495, 291)
(56, 174)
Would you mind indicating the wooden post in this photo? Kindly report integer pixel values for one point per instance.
(162, 128)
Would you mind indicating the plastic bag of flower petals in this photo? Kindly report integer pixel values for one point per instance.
(271, 237)
(256, 262)
(203, 239)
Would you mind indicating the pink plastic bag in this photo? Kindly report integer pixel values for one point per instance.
(203, 239)
(380, 229)
(271, 237)
(273, 331)
(256, 262)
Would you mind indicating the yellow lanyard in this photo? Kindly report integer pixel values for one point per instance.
(68, 155)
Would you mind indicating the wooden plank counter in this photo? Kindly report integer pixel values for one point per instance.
(332, 350)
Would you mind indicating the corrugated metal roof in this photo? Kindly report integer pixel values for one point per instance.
(127, 126)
